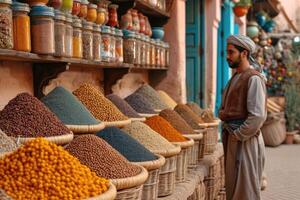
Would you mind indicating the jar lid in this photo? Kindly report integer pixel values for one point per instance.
(105, 29)
(87, 25)
(84, 2)
(42, 11)
(91, 5)
(77, 22)
(69, 18)
(128, 33)
(119, 32)
(6, 2)
(96, 28)
(113, 6)
(101, 9)
(112, 30)
(23, 7)
(58, 15)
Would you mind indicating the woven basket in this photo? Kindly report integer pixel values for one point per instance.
(141, 119)
(199, 193)
(150, 189)
(212, 181)
(182, 159)
(222, 195)
(209, 142)
(274, 130)
(118, 123)
(194, 153)
(222, 171)
(134, 193)
(110, 194)
(59, 140)
(81, 129)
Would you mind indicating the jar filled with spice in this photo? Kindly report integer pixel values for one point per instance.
(152, 53)
(105, 45)
(119, 46)
(162, 54)
(157, 53)
(69, 36)
(67, 6)
(167, 54)
(129, 47)
(100, 16)
(135, 21)
(21, 24)
(143, 50)
(138, 49)
(142, 23)
(83, 9)
(87, 40)
(113, 44)
(6, 29)
(77, 38)
(113, 15)
(42, 29)
(56, 4)
(97, 42)
(36, 2)
(76, 7)
(126, 21)
(148, 50)
(60, 33)
(92, 13)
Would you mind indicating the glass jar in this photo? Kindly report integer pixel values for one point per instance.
(126, 21)
(152, 53)
(83, 9)
(42, 29)
(129, 47)
(143, 50)
(56, 4)
(138, 49)
(162, 55)
(142, 23)
(167, 54)
(77, 38)
(36, 2)
(92, 13)
(119, 46)
(135, 21)
(157, 53)
(148, 50)
(153, 3)
(60, 33)
(100, 16)
(97, 42)
(69, 36)
(76, 7)
(6, 29)
(87, 40)
(113, 15)
(67, 6)
(113, 45)
(21, 24)
(148, 27)
(105, 46)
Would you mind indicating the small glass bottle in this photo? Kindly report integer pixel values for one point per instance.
(129, 47)
(60, 33)
(6, 31)
(152, 53)
(162, 55)
(69, 36)
(105, 46)
(119, 46)
(87, 40)
(138, 49)
(76, 7)
(113, 44)
(92, 13)
(83, 9)
(143, 50)
(167, 55)
(157, 53)
(97, 42)
(148, 51)
(100, 16)
(77, 38)
(113, 15)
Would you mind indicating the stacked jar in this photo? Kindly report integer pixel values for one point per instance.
(60, 33)
(112, 44)
(143, 49)
(92, 13)
(162, 55)
(42, 30)
(21, 24)
(138, 49)
(69, 36)
(97, 42)
(67, 6)
(77, 38)
(129, 47)
(76, 7)
(105, 45)
(147, 51)
(83, 9)
(119, 46)
(152, 53)
(157, 53)
(167, 46)
(6, 30)
(87, 40)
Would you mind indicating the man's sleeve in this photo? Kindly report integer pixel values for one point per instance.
(256, 101)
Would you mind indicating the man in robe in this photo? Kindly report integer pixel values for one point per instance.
(243, 112)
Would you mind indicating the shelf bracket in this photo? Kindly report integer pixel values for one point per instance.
(43, 73)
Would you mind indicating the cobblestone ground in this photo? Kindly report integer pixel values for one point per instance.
(283, 173)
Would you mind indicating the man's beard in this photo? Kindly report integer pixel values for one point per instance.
(234, 64)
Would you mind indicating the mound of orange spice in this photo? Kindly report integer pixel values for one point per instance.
(165, 129)
(43, 170)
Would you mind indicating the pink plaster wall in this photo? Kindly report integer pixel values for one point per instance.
(174, 83)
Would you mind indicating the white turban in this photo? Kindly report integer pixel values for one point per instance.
(242, 41)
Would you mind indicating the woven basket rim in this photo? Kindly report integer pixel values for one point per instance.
(195, 137)
(153, 164)
(110, 194)
(147, 115)
(86, 128)
(60, 139)
(129, 182)
(117, 123)
(169, 152)
(185, 144)
(141, 119)
(157, 110)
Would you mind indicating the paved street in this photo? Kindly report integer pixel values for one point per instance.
(283, 172)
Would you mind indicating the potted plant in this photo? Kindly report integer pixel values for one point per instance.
(241, 8)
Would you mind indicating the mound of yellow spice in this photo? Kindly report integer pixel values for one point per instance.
(43, 170)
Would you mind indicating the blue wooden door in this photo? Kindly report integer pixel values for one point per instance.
(194, 51)
(226, 28)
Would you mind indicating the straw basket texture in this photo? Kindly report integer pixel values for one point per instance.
(110, 194)
(199, 193)
(59, 140)
(134, 193)
(222, 168)
(194, 153)
(182, 159)
(141, 119)
(81, 129)
(209, 141)
(117, 123)
(150, 189)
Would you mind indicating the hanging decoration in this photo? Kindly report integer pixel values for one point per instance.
(252, 29)
(241, 8)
